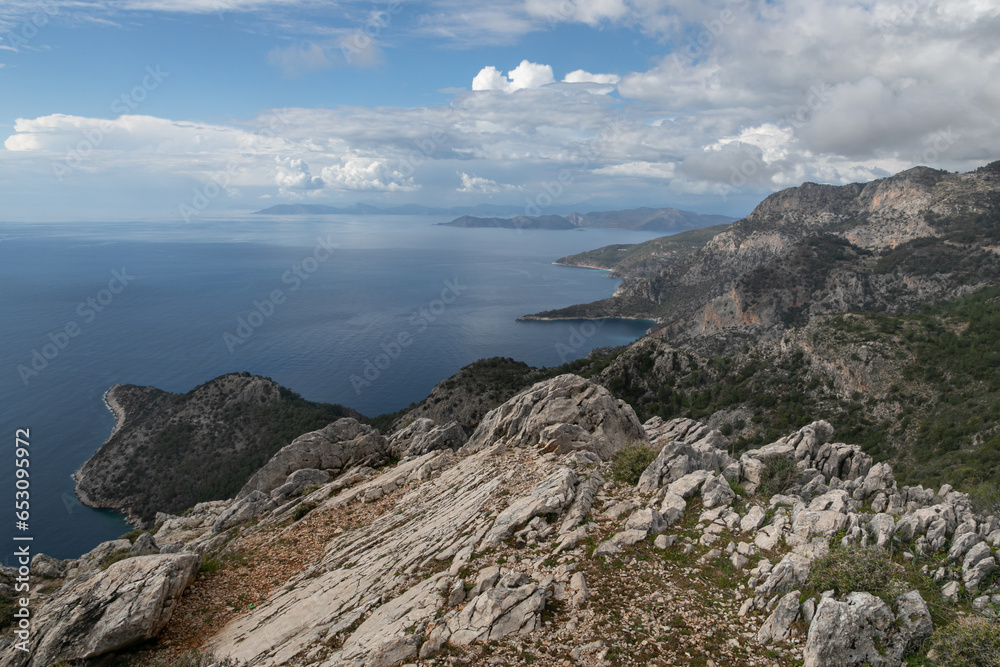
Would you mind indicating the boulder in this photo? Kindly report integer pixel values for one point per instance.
(296, 483)
(424, 440)
(144, 545)
(753, 520)
(512, 606)
(778, 625)
(48, 567)
(881, 527)
(863, 630)
(335, 447)
(979, 563)
(244, 509)
(567, 399)
(128, 603)
(648, 520)
(716, 491)
(552, 495)
(686, 446)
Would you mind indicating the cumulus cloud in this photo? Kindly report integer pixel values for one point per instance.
(364, 173)
(525, 75)
(293, 173)
(478, 184)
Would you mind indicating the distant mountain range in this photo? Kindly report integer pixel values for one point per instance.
(637, 219)
(501, 216)
(405, 209)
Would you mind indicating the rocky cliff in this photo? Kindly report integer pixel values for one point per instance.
(919, 235)
(562, 532)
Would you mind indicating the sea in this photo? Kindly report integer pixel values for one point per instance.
(367, 311)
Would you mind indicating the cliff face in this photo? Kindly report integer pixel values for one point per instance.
(159, 456)
(819, 249)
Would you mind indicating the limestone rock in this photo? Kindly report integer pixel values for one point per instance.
(647, 520)
(47, 567)
(619, 541)
(128, 603)
(296, 483)
(513, 605)
(778, 625)
(144, 545)
(686, 446)
(864, 630)
(245, 509)
(979, 563)
(553, 494)
(423, 436)
(849, 633)
(753, 520)
(566, 399)
(789, 574)
(335, 447)
(716, 491)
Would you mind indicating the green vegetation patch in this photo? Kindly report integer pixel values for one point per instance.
(628, 463)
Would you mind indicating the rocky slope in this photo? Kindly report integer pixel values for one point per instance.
(519, 547)
(643, 259)
(921, 234)
(162, 444)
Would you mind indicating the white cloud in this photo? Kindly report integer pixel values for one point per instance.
(654, 170)
(363, 173)
(583, 76)
(525, 75)
(478, 184)
(293, 173)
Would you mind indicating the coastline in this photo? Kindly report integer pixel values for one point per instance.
(111, 404)
(119, 413)
(585, 266)
(581, 318)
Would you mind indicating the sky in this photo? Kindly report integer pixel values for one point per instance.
(176, 109)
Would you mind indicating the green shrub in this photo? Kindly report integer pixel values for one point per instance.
(302, 509)
(968, 642)
(986, 498)
(6, 611)
(778, 474)
(114, 557)
(854, 569)
(192, 659)
(209, 565)
(628, 463)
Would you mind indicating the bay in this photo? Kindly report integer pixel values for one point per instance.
(317, 304)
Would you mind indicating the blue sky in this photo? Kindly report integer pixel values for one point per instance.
(129, 108)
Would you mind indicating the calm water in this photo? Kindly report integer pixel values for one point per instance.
(190, 302)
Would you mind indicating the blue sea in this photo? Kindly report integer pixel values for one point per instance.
(370, 312)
